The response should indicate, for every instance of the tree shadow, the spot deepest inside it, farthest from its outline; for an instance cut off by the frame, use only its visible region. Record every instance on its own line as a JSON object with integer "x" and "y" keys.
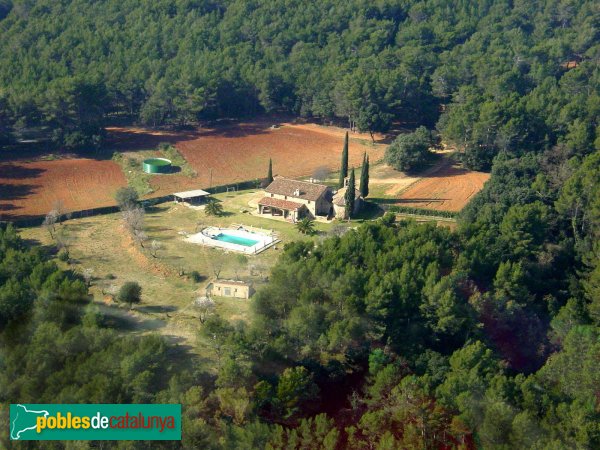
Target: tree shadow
{"x": 156, "y": 309}
{"x": 14, "y": 171}
{"x": 156, "y": 209}
{"x": 401, "y": 201}
{"x": 10, "y": 193}
{"x": 171, "y": 170}
{"x": 237, "y": 129}
{"x": 11, "y": 189}
{"x": 79, "y": 226}
{"x": 446, "y": 171}
{"x": 157, "y": 228}
{"x": 121, "y": 139}
{"x": 369, "y": 211}
{"x": 383, "y": 201}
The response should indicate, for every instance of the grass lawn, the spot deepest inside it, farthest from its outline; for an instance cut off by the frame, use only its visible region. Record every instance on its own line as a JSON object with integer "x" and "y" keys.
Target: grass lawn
{"x": 131, "y": 164}
{"x": 102, "y": 244}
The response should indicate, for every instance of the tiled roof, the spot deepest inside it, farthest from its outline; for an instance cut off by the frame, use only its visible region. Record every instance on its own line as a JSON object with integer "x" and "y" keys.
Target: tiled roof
{"x": 339, "y": 198}
{"x": 232, "y": 282}
{"x": 307, "y": 191}
{"x": 281, "y": 204}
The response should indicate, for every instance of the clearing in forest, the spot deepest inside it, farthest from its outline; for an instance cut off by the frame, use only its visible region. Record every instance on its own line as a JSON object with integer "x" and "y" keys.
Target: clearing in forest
{"x": 448, "y": 189}
{"x": 445, "y": 186}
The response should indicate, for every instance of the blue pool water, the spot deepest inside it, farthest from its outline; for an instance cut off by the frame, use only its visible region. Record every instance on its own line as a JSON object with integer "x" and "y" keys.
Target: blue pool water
{"x": 235, "y": 240}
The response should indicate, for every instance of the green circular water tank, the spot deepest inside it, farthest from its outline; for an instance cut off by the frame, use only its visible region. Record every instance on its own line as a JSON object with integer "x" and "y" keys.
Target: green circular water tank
{"x": 157, "y": 165}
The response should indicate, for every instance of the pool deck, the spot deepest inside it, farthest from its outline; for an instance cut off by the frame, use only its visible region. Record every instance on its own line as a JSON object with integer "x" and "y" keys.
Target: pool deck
{"x": 205, "y": 237}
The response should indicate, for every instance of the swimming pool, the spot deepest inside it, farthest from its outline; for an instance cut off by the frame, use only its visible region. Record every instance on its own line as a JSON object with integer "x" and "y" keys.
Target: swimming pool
{"x": 235, "y": 239}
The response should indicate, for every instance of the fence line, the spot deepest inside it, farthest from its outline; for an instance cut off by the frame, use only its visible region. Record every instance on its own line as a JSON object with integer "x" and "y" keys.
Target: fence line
{"x": 34, "y": 221}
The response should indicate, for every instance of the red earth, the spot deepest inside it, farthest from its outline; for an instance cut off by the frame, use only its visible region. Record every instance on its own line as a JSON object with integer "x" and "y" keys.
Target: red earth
{"x": 241, "y": 152}
{"x": 448, "y": 189}
{"x": 32, "y": 188}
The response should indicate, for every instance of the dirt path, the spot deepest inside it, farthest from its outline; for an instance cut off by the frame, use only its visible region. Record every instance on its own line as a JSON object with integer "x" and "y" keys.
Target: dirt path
{"x": 398, "y": 181}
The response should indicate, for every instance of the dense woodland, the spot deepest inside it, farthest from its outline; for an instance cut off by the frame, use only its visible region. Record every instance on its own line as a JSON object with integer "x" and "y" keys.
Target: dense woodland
{"x": 498, "y": 75}
{"x": 393, "y": 335}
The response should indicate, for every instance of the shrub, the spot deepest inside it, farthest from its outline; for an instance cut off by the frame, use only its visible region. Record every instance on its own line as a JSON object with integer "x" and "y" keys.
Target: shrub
{"x": 195, "y": 276}
{"x": 306, "y": 226}
{"x": 126, "y": 197}
{"x": 213, "y": 208}
{"x": 63, "y": 255}
{"x": 130, "y": 292}
{"x": 422, "y": 211}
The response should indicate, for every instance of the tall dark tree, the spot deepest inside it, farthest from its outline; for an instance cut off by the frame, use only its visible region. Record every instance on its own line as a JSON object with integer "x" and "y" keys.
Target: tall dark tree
{"x": 344, "y": 163}
{"x": 364, "y": 177}
{"x": 410, "y": 152}
{"x": 4, "y": 118}
{"x": 74, "y": 109}
{"x": 349, "y": 196}
{"x": 270, "y": 172}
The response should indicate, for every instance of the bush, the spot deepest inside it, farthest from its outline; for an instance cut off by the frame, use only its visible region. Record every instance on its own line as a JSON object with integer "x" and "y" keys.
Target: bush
{"x": 213, "y": 208}
{"x": 63, "y": 255}
{"x": 126, "y": 197}
{"x": 130, "y": 292}
{"x": 195, "y": 276}
{"x": 306, "y": 226}
{"x": 422, "y": 211}
{"x": 388, "y": 218}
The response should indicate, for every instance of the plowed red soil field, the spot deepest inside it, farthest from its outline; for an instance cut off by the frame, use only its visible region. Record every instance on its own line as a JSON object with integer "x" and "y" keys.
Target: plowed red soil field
{"x": 448, "y": 189}
{"x": 242, "y": 151}
{"x": 32, "y": 188}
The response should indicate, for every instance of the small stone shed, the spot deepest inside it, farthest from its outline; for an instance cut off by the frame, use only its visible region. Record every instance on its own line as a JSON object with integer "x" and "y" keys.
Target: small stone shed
{"x": 230, "y": 288}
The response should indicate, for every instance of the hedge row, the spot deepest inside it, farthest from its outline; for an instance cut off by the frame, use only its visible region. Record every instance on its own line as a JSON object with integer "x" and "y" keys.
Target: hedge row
{"x": 422, "y": 211}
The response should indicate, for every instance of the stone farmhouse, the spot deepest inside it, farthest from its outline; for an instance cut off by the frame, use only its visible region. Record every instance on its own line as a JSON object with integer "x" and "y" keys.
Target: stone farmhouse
{"x": 293, "y": 200}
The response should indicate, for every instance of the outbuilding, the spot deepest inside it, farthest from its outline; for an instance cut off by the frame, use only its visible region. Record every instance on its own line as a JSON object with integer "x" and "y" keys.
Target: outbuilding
{"x": 339, "y": 203}
{"x": 230, "y": 288}
{"x": 196, "y": 197}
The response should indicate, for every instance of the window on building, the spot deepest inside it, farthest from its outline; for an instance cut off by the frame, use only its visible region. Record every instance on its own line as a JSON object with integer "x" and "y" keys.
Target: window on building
{"x": 227, "y": 292}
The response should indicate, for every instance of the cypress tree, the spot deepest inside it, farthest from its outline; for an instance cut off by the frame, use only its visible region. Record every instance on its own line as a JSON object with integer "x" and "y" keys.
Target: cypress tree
{"x": 349, "y": 196}
{"x": 364, "y": 177}
{"x": 344, "y": 165}
{"x": 270, "y": 173}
